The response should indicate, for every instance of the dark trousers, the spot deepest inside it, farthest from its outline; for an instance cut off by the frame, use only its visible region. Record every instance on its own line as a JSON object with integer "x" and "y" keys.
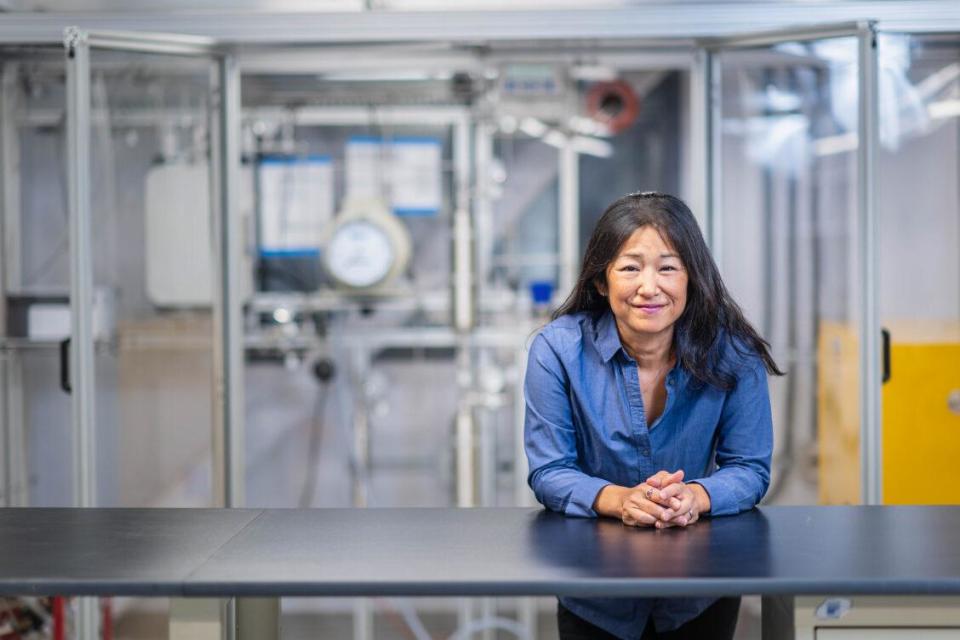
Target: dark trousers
{"x": 717, "y": 622}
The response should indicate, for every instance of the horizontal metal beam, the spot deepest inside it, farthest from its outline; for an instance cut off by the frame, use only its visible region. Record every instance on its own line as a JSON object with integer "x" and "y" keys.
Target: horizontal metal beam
{"x": 360, "y": 116}
{"x": 166, "y": 43}
{"x": 654, "y": 20}
{"x": 790, "y": 34}
{"x": 346, "y": 59}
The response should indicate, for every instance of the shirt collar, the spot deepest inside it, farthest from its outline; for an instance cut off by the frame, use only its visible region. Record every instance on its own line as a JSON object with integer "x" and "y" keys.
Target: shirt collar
{"x": 607, "y": 338}
{"x": 608, "y": 344}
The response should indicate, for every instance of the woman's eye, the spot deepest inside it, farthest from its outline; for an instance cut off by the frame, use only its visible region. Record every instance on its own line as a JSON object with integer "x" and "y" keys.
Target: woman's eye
{"x": 629, "y": 267}
{"x": 668, "y": 267}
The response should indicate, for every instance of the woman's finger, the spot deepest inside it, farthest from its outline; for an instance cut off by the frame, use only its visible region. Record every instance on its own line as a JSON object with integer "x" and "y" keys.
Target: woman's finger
{"x": 673, "y": 490}
{"x": 635, "y": 516}
{"x": 656, "y": 479}
{"x": 652, "y": 494}
{"x": 680, "y": 504}
{"x": 663, "y": 479}
{"x": 639, "y": 501}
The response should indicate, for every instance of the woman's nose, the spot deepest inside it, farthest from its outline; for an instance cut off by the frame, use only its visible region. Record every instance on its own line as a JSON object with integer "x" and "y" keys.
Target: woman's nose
{"x": 648, "y": 283}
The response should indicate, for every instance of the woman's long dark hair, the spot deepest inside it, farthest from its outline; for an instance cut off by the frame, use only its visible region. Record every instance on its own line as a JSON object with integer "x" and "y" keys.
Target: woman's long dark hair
{"x": 710, "y": 316}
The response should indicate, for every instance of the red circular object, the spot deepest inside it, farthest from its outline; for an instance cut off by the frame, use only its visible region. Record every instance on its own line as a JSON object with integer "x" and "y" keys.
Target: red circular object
{"x": 613, "y": 104}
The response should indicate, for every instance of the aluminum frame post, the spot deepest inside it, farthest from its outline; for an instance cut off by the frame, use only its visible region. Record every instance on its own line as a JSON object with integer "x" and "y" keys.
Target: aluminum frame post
{"x": 82, "y": 364}
{"x": 871, "y": 480}
{"x": 230, "y": 389}
{"x": 713, "y": 94}
{"x": 696, "y": 167}
{"x": 13, "y": 472}
{"x": 81, "y": 262}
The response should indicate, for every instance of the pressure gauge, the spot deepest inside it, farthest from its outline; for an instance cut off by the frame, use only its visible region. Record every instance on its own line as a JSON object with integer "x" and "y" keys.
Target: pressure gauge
{"x": 366, "y": 246}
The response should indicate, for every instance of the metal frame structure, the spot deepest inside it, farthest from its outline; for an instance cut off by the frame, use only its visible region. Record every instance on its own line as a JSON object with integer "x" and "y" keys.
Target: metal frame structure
{"x": 867, "y": 235}
{"x": 662, "y": 22}
{"x": 228, "y": 368}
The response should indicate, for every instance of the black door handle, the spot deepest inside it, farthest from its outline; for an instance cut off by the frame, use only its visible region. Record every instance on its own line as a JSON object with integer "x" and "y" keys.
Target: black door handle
{"x": 65, "y": 366}
{"x": 885, "y": 336}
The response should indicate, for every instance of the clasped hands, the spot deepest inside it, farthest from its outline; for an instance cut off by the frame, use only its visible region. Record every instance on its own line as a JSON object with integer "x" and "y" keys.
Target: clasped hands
{"x": 663, "y": 501}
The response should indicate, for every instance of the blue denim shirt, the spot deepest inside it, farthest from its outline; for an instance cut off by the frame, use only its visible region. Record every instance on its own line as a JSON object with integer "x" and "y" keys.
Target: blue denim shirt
{"x": 585, "y": 428}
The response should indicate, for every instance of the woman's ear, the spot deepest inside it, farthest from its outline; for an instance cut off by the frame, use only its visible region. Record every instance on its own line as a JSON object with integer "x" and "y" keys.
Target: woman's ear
{"x": 601, "y": 287}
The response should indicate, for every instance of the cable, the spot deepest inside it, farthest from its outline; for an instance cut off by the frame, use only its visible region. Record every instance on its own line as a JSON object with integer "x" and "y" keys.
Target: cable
{"x": 494, "y": 622}
{"x": 414, "y": 625}
{"x": 323, "y": 371}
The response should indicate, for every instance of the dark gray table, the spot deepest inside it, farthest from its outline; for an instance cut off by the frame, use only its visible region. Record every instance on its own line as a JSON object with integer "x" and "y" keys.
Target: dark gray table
{"x": 474, "y": 552}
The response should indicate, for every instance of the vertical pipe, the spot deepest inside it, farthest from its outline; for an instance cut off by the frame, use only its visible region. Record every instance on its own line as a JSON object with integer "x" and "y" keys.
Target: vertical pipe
{"x": 463, "y": 322}
{"x": 768, "y": 223}
{"x": 466, "y": 470}
{"x": 107, "y": 623}
{"x": 483, "y": 204}
{"x": 523, "y": 496}
{"x": 362, "y": 619}
{"x": 697, "y": 165}
{"x": 870, "y": 374}
{"x": 10, "y": 163}
{"x": 219, "y": 410}
{"x": 81, "y": 273}
{"x": 17, "y": 453}
{"x": 81, "y": 289}
{"x": 714, "y": 196}
{"x": 9, "y": 266}
{"x": 6, "y": 459}
{"x": 13, "y": 485}
{"x": 569, "y": 222}
{"x": 231, "y": 322}
{"x": 463, "y": 284}
{"x": 59, "y": 618}
{"x": 361, "y": 429}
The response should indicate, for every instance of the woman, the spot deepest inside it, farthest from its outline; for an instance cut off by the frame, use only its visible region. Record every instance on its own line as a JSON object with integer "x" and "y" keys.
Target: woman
{"x": 647, "y": 401}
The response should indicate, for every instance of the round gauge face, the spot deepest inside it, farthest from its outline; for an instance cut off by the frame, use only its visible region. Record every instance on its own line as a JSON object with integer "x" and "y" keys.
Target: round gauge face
{"x": 360, "y": 254}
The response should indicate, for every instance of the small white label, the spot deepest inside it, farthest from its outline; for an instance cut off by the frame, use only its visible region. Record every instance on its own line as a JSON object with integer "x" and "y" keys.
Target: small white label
{"x": 833, "y": 608}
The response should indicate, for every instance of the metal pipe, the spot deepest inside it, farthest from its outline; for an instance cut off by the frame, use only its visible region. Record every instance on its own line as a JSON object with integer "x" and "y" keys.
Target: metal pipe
{"x": 353, "y": 116}
{"x": 9, "y": 263}
{"x": 778, "y": 36}
{"x": 10, "y": 163}
{"x": 81, "y": 276}
{"x": 463, "y": 284}
{"x": 483, "y": 204}
{"x": 523, "y": 496}
{"x": 168, "y": 43}
{"x": 569, "y": 222}
{"x": 231, "y": 259}
{"x": 868, "y": 136}
{"x": 657, "y": 22}
{"x": 712, "y": 81}
{"x": 82, "y": 362}
{"x": 696, "y": 166}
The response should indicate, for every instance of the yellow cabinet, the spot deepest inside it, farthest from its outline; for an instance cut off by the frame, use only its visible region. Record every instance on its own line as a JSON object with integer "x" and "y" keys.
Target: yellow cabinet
{"x": 921, "y": 415}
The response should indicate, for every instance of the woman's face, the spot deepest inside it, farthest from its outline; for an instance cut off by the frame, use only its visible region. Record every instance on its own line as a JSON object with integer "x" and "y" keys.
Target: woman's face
{"x": 646, "y": 286}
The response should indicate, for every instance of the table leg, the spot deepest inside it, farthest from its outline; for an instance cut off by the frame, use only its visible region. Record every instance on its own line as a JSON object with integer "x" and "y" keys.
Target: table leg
{"x": 196, "y": 619}
{"x": 258, "y": 619}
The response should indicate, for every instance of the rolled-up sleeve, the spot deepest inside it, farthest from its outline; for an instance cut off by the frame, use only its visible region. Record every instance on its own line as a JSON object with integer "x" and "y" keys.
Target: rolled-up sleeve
{"x": 550, "y": 437}
{"x": 744, "y": 445}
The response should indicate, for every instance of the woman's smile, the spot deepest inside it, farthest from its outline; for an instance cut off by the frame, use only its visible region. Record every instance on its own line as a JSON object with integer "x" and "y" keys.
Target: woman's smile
{"x": 649, "y": 309}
